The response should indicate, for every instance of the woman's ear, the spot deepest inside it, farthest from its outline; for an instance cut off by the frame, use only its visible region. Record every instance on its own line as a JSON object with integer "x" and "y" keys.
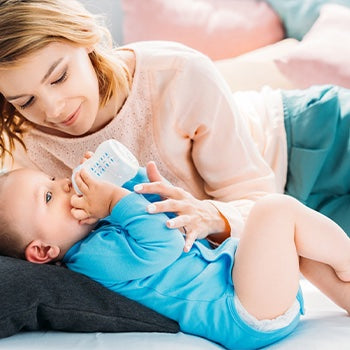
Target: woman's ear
{"x": 40, "y": 252}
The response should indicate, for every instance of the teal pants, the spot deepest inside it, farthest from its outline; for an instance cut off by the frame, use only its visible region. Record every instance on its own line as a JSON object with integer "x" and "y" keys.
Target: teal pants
{"x": 317, "y": 123}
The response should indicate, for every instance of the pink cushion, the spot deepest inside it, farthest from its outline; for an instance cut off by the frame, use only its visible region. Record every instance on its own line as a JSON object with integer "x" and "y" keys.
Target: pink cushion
{"x": 323, "y": 56}
{"x": 218, "y": 28}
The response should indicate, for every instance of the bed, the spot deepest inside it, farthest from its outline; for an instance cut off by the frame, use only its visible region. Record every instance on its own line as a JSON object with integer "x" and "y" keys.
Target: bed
{"x": 324, "y": 326}
{"x": 276, "y": 61}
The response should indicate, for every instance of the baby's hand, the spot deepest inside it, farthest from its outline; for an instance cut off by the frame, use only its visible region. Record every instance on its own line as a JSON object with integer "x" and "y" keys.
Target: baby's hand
{"x": 86, "y": 156}
{"x": 97, "y": 200}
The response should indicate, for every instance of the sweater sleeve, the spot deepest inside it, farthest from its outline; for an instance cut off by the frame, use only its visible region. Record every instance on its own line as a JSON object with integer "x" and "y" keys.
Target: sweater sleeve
{"x": 130, "y": 244}
{"x": 219, "y": 144}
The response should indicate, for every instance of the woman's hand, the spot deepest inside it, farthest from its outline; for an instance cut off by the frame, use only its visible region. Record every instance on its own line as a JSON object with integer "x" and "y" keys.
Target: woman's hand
{"x": 97, "y": 200}
{"x": 197, "y": 218}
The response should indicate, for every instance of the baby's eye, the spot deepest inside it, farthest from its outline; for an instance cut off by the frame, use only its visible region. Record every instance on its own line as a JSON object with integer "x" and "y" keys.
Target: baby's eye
{"x": 48, "y": 196}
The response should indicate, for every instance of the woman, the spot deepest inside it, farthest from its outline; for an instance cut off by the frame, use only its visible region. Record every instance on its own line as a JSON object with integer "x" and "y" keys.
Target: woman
{"x": 65, "y": 89}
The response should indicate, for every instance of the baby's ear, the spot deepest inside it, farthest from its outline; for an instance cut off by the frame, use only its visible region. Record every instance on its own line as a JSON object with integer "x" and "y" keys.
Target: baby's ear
{"x": 40, "y": 252}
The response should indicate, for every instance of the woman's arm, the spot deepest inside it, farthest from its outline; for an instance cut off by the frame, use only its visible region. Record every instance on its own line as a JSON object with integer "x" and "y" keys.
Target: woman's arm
{"x": 203, "y": 121}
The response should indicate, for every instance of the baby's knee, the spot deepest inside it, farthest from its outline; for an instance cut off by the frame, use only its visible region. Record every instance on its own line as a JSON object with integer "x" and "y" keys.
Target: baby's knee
{"x": 276, "y": 204}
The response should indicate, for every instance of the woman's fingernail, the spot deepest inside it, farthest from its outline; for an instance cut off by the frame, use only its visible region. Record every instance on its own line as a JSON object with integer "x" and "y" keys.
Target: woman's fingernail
{"x": 170, "y": 223}
{"x": 151, "y": 208}
{"x": 187, "y": 248}
{"x": 138, "y": 188}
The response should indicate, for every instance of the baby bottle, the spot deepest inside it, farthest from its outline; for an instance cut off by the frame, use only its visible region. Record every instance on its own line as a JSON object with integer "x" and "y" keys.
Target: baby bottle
{"x": 111, "y": 162}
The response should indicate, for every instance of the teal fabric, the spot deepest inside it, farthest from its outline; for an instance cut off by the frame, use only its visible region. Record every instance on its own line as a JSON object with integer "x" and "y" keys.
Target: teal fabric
{"x": 298, "y": 16}
{"x": 317, "y": 122}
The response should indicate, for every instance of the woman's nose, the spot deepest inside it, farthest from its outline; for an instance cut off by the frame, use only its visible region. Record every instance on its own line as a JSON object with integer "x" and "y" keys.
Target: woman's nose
{"x": 54, "y": 109}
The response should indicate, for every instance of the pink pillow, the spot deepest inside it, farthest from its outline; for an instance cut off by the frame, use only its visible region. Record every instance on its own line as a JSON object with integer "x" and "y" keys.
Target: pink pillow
{"x": 218, "y": 28}
{"x": 323, "y": 56}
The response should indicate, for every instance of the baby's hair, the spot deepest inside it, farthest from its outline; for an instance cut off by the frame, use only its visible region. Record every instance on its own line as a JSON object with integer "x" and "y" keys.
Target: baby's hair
{"x": 27, "y": 26}
{"x": 11, "y": 242}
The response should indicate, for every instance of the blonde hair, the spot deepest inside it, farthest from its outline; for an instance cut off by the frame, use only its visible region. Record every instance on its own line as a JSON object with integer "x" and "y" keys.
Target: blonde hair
{"x": 29, "y": 25}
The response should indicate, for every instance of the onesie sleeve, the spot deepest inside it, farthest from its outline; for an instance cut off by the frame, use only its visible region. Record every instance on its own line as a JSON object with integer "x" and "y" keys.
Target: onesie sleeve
{"x": 130, "y": 244}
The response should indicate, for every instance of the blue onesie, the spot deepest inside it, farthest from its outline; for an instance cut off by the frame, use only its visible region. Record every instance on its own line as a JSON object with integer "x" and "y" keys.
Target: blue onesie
{"x": 133, "y": 253}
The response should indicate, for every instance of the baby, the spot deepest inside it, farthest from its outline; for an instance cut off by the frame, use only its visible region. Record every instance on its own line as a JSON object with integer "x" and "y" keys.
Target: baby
{"x": 244, "y": 294}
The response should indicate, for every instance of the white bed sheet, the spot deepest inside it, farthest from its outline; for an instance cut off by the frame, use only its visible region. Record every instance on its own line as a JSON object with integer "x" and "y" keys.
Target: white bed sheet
{"x": 325, "y": 326}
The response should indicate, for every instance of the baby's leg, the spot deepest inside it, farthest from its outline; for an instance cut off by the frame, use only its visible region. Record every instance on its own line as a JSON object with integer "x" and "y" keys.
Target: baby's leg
{"x": 324, "y": 278}
{"x": 278, "y": 231}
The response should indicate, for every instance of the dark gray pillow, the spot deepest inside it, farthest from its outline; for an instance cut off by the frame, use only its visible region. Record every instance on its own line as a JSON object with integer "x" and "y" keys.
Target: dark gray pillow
{"x": 38, "y": 297}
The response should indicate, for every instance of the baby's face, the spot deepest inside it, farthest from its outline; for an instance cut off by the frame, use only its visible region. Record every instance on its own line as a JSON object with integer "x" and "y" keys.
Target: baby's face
{"x": 40, "y": 206}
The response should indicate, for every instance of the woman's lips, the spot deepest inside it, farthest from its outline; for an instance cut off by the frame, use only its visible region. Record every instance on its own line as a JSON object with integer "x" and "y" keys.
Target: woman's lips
{"x": 72, "y": 118}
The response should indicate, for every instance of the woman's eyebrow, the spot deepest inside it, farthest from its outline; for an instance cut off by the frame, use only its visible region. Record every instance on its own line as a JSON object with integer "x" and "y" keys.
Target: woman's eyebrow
{"x": 49, "y": 71}
{"x": 10, "y": 98}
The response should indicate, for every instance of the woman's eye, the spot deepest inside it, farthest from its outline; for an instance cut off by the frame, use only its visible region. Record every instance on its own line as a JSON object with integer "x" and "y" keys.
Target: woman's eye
{"x": 48, "y": 196}
{"x": 61, "y": 79}
{"x": 27, "y": 104}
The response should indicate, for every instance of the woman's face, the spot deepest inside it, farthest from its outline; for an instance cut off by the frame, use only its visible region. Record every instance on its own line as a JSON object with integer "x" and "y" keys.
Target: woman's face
{"x": 55, "y": 88}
